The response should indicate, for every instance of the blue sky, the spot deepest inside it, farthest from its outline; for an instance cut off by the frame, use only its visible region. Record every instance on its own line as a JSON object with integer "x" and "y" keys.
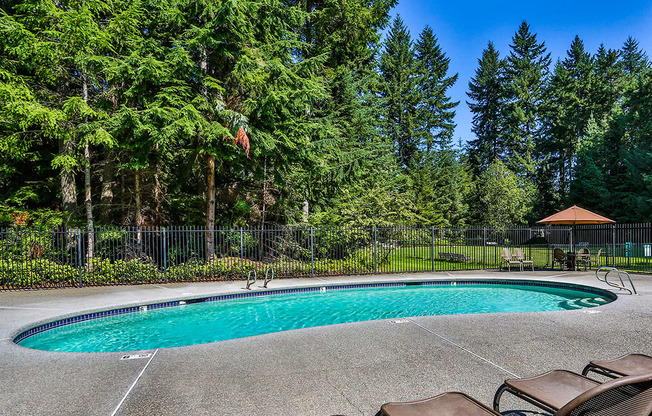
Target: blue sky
{"x": 464, "y": 27}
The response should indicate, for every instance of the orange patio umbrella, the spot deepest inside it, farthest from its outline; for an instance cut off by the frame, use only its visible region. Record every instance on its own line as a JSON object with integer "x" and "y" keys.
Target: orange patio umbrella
{"x": 574, "y": 216}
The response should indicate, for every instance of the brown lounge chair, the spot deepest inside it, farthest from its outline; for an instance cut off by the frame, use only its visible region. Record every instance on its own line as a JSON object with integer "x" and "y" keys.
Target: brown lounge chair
{"x": 625, "y": 396}
{"x": 627, "y": 365}
{"x": 446, "y": 404}
{"x": 564, "y": 393}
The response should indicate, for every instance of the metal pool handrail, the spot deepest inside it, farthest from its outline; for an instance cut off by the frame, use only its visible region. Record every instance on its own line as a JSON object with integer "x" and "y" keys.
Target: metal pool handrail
{"x": 249, "y": 282}
{"x": 608, "y": 270}
{"x": 266, "y": 276}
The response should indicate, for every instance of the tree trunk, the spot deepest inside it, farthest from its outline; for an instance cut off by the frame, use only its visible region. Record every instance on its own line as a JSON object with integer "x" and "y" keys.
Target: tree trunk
{"x": 139, "y": 214}
{"x": 210, "y": 208}
{"x": 264, "y": 196}
{"x": 88, "y": 200}
{"x": 158, "y": 190}
{"x": 68, "y": 188}
{"x": 306, "y": 210}
{"x": 108, "y": 178}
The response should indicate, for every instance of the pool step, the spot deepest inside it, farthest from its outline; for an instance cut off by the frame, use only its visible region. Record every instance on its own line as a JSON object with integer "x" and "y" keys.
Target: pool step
{"x": 581, "y": 303}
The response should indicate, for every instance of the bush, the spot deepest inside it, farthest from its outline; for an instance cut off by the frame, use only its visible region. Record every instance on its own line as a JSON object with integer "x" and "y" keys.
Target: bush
{"x": 226, "y": 268}
{"x": 342, "y": 243}
{"x": 102, "y": 272}
{"x": 38, "y": 272}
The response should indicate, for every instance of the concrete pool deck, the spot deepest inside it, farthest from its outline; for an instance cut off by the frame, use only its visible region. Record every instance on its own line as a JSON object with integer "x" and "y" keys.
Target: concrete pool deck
{"x": 345, "y": 369}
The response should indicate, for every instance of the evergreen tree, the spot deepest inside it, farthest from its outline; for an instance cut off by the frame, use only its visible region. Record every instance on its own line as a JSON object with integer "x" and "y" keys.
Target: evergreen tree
{"x": 568, "y": 109}
{"x": 526, "y": 70}
{"x": 633, "y": 60}
{"x": 437, "y": 179}
{"x": 397, "y": 72}
{"x": 607, "y": 85}
{"x": 435, "y": 111}
{"x": 487, "y": 95}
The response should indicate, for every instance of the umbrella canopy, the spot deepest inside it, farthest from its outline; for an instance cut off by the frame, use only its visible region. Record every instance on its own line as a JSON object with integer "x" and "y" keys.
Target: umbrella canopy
{"x": 574, "y": 216}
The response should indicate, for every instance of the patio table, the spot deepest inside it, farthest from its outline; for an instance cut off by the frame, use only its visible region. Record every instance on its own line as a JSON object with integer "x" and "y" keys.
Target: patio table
{"x": 575, "y": 258}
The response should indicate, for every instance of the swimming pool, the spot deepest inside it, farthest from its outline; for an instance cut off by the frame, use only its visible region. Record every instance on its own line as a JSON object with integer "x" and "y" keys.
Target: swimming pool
{"x": 218, "y": 318}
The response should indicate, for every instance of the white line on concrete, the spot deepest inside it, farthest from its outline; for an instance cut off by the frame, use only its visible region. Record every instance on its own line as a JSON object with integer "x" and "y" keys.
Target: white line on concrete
{"x": 559, "y": 275}
{"x": 30, "y": 309}
{"x": 166, "y": 288}
{"x": 466, "y": 350}
{"x": 134, "y": 384}
{"x": 449, "y": 274}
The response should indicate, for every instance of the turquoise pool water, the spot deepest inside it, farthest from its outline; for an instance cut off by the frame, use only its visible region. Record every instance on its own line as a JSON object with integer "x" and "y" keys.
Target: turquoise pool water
{"x": 224, "y": 319}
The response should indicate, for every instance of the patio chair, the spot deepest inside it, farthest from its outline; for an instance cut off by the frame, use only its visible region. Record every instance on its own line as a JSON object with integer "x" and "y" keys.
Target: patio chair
{"x": 594, "y": 262}
{"x": 627, "y": 365}
{"x": 520, "y": 256}
{"x": 559, "y": 256}
{"x": 446, "y": 404}
{"x": 583, "y": 258}
{"x": 509, "y": 260}
{"x": 564, "y": 393}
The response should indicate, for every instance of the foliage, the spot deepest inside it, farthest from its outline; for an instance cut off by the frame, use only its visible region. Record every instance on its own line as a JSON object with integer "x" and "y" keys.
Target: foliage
{"x": 267, "y": 112}
{"x": 37, "y": 273}
{"x": 487, "y": 94}
{"x": 502, "y": 197}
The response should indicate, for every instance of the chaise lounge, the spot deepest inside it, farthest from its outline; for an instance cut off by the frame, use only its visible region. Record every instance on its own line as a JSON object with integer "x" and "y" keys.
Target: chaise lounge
{"x": 627, "y": 365}
{"x": 559, "y": 392}
{"x": 564, "y": 393}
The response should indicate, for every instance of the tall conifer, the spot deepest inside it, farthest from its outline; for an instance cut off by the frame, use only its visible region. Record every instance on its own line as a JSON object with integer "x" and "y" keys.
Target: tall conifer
{"x": 397, "y": 72}
{"x": 526, "y": 69}
{"x": 435, "y": 110}
{"x": 487, "y": 95}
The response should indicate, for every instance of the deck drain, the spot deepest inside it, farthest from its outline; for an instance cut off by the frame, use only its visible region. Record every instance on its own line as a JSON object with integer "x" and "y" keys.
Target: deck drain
{"x": 400, "y": 321}
{"x": 136, "y": 356}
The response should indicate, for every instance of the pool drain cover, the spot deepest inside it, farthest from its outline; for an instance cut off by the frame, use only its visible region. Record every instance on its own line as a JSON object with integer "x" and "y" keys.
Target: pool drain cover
{"x": 136, "y": 356}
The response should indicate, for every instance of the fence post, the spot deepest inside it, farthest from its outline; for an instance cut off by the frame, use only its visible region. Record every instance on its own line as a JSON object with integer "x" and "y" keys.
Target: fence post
{"x": 312, "y": 254}
{"x": 484, "y": 248}
{"x": 79, "y": 255}
{"x": 432, "y": 249}
{"x": 613, "y": 255}
{"x": 375, "y": 250}
{"x": 241, "y": 254}
{"x": 165, "y": 257}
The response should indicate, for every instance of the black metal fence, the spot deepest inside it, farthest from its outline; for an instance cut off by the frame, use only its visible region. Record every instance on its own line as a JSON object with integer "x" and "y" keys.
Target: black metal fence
{"x": 31, "y": 258}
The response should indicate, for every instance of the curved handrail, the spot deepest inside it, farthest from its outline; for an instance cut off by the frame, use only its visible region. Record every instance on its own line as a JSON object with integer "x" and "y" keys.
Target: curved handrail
{"x": 608, "y": 270}
{"x": 266, "y": 274}
{"x": 249, "y": 282}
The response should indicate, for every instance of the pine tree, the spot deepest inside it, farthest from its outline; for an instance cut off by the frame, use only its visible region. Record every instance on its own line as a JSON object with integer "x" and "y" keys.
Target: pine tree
{"x": 487, "y": 95}
{"x": 435, "y": 110}
{"x": 633, "y": 60}
{"x": 607, "y": 85}
{"x": 526, "y": 70}
{"x": 437, "y": 180}
{"x": 569, "y": 107}
{"x": 397, "y": 72}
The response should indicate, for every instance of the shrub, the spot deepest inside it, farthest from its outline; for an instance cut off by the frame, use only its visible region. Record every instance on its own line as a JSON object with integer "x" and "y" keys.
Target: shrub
{"x": 103, "y": 271}
{"x": 37, "y": 272}
{"x": 226, "y": 268}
